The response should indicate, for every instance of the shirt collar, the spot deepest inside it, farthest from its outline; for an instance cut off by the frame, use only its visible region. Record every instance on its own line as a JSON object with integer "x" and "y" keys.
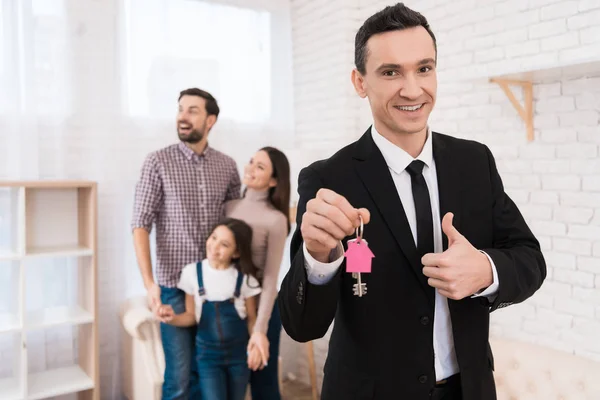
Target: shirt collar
{"x": 189, "y": 153}
{"x": 398, "y": 159}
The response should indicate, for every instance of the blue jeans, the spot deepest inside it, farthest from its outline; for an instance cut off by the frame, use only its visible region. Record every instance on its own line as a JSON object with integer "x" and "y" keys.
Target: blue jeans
{"x": 221, "y": 342}
{"x": 181, "y": 373}
{"x": 225, "y": 380}
{"x": 265, "y": 383}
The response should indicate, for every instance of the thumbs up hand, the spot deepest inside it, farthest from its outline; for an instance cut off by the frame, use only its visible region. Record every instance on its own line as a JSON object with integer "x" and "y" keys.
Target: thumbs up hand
{"x": 461, "y": 270}
{"x": 450, "y": 231}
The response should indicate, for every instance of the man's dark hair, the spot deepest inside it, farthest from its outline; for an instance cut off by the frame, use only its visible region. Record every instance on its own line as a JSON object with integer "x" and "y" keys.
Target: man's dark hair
{"x": 391, "y": 18}
{"x": 211, "y": 103}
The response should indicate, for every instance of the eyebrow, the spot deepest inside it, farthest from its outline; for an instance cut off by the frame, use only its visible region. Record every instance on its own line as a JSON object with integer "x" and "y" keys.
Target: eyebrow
{"x": 190, "y": 107}
{"x": 399, "y": 66}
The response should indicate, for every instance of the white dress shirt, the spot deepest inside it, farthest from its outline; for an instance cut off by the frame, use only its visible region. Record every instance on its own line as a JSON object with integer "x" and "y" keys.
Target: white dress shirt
{"x": 397, "y": 160}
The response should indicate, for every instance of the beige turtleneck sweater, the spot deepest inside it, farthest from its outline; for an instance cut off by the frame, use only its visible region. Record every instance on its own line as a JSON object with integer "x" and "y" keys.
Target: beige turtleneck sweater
{"x": 269, "y": 233}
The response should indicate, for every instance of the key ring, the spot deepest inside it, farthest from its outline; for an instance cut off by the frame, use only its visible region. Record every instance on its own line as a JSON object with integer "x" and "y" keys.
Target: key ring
{"x": 359, "y": 237}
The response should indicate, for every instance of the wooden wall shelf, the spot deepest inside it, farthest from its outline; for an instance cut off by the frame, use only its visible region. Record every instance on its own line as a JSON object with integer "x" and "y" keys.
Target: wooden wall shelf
{"x": 526, "y": 110}
{"x": 545, "y": 74}
{"x": 554, "y": 72}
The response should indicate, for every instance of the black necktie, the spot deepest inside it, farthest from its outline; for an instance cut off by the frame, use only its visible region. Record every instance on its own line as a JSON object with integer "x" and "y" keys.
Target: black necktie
{"x": 422, "y": 207}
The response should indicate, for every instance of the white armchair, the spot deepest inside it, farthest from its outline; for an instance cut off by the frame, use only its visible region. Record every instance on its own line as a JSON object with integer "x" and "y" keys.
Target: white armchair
{"x": 142, "y": 356}
{"x": 525, "y": 371}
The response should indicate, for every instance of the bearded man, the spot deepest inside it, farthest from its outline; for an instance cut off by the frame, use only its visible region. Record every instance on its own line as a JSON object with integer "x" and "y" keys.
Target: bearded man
{"x": 182, "y": 190}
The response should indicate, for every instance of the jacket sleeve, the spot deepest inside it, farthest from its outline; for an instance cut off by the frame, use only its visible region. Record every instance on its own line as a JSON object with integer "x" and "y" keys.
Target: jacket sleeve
{"x": 307, "y": 310}
{"x": 516, "y": 252}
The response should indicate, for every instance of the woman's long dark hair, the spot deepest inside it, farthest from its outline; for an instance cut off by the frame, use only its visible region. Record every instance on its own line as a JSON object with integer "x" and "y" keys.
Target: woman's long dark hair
{"x": 280, "y": 194}
{"x": 242, "y": 234}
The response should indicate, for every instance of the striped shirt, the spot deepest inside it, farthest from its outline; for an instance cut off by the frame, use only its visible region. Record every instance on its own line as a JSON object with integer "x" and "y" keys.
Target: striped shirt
{"x": 183, "y": 195}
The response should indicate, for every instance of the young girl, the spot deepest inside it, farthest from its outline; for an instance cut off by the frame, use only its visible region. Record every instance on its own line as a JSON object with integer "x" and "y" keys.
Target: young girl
{"x": 220, "y": 294}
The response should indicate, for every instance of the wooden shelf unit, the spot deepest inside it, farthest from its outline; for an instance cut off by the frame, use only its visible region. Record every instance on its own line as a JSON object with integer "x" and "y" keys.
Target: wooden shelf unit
{"x": 42, "y": 221}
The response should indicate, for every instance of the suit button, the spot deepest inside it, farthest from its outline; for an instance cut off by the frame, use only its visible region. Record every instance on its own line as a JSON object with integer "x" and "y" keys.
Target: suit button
{"x": 423, "y": 378}
{"x": 424, "y": 320}
{"x": 300, "y": 293}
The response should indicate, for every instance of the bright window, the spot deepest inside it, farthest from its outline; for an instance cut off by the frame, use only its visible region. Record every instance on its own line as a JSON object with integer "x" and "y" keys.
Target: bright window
{"x": 176, "y": 44}
{"x": 34, "y": 58}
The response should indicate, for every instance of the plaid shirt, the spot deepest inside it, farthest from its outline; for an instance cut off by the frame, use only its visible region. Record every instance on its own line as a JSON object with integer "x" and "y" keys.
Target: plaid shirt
{"x": 183, "y": 193}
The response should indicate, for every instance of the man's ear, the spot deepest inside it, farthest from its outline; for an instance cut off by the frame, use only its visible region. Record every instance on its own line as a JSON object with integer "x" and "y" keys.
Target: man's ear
{"x": 210, "y": 121}
{"x": 358, "y": 81}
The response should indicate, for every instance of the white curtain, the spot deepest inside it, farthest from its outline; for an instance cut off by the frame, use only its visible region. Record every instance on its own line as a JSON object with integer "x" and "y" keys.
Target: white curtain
{"x": 35, "y": 95}
{"x": 88, "y": 88}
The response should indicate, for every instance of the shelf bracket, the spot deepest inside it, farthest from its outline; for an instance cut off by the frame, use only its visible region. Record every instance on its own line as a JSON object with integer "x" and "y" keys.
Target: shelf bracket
{"x": 526, "y": 110}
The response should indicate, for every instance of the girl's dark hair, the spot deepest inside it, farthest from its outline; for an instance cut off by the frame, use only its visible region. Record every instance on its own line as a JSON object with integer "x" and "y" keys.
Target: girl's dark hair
{"x": 280, "y": 194}
{"x": 242, "y": 234}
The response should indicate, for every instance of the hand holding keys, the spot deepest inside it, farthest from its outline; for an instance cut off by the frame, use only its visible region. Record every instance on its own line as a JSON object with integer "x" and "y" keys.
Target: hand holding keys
{"x": 328, "y": 219}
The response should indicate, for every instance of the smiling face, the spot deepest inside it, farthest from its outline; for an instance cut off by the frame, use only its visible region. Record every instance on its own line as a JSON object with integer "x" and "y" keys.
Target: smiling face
{"x": 258, "y": 173}
{"x": 221, "y": 247}
{"x": 400, "y": 80}
{"x": 193, "y": 121}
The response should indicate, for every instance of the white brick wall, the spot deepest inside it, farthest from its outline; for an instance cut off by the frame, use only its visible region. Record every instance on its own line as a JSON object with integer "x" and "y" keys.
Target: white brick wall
{"x": 554, "y": 180}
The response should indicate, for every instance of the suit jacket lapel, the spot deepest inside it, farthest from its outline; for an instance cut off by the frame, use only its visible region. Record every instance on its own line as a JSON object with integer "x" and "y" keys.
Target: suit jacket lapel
{"x": 376, "y": 176}
{"x": 448, "y": 175}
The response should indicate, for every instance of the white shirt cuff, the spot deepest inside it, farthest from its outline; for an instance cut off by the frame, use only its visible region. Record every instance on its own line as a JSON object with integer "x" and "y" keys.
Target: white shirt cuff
{"x": 492, "y": 290}
{"x": 321, "y": 273}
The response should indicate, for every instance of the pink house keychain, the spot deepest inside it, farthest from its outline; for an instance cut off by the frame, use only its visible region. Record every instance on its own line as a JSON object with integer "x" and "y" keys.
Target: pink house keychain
{"x": 358, "y": 260}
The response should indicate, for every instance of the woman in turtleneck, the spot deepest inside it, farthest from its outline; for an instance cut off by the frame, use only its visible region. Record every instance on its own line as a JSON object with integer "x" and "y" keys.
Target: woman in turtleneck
{"x": 265, "y": 207}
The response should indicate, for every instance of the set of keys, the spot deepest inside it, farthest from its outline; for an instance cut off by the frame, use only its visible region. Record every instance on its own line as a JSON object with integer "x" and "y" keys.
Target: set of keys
{"x": 358, "y": 260}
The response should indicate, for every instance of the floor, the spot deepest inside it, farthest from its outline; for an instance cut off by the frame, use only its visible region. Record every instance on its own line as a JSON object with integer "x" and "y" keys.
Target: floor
{"x": 293, "y": 390}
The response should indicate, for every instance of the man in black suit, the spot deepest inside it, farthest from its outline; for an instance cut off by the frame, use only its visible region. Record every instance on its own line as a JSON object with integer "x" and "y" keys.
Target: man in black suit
{"x": 450, "y": 246}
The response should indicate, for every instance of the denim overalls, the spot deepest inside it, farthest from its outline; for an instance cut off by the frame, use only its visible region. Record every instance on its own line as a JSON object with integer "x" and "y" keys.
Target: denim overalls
{"x": 221, "y": 342}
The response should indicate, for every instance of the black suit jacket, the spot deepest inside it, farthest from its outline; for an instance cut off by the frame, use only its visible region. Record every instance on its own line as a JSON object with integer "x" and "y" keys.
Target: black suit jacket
{"x": 381, "y": 346}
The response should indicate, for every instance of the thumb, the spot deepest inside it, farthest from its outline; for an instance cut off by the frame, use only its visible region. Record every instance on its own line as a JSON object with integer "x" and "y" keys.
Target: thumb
{"x": 365, "y": 214}
{"x": 263, "y": 355}
{"x": 152, "y": 303}
{"x": 156, "y": 303}
{"x": 451, "y": 232}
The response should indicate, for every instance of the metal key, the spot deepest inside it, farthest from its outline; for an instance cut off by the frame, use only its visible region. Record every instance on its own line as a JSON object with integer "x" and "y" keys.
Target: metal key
{"x": 359, "y": 288}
